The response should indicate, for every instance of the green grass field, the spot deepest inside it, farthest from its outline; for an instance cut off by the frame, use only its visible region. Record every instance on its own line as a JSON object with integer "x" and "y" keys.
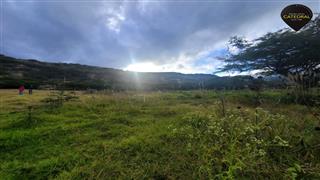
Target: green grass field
{"x": 157, "y": 135}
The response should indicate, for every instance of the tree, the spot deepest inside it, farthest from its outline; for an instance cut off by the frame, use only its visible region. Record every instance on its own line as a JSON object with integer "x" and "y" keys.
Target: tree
{"x": 284, "y": 52}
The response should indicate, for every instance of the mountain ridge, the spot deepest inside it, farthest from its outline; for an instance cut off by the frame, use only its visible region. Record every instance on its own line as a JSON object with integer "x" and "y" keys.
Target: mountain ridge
{"x": 15, "y": 72}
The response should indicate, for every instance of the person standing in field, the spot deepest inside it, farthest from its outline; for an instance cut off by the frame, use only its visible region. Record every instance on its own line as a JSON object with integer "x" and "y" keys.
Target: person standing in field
{"x": 21, "y": 89}
{"x": 30, "y": 90}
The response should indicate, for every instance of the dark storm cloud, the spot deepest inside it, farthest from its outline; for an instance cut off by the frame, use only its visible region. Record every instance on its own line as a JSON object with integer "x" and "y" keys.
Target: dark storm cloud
{"x": 59, "y": 31}
{"x": 117, "y": 34}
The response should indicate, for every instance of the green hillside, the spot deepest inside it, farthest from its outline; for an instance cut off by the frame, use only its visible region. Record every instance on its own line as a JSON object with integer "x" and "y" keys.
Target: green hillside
{"x": 16, "y": 72}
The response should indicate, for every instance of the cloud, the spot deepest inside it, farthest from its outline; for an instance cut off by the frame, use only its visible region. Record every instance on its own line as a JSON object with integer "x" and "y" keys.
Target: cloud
{"x": 115, "y": 18}
{"x": 172, "y": 36}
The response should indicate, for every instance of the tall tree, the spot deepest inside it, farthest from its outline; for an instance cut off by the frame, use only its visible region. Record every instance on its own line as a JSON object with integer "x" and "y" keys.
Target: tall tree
{"x": 284, "y": 52}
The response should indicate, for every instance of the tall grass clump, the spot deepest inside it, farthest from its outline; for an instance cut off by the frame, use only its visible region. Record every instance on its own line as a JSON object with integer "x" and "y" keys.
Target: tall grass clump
{"x": 231, "y": 146}
{"x": 57, "y": 98}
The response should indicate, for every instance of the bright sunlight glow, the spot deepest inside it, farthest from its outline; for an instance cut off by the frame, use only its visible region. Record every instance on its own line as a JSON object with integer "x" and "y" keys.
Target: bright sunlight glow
{"x": 145, "y": 67}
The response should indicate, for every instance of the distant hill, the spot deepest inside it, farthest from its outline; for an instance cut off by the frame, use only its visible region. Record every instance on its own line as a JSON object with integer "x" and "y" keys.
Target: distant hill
{"x": 15, "y": 72}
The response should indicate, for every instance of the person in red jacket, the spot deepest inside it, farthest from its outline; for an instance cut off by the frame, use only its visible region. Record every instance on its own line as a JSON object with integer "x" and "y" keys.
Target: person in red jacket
{"x": 21, "y": 89}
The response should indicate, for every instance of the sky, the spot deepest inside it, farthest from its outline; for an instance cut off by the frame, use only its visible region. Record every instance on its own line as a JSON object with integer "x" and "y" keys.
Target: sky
{"x": 184, "y": 36}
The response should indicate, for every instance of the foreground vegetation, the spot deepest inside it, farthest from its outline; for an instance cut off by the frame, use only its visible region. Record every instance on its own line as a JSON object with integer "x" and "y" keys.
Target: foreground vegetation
{"x": 157, "y": 135}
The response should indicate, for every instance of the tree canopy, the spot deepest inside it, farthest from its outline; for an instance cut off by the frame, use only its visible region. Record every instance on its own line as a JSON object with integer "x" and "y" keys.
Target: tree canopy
{"x": 283, "y": 52}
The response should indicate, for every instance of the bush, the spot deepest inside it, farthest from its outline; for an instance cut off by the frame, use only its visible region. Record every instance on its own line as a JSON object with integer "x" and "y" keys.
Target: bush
{"x": 235, "y": 146}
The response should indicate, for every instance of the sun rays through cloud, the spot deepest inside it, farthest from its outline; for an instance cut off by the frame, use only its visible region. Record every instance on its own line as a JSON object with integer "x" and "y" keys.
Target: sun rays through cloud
{"x": 162, "y": 36}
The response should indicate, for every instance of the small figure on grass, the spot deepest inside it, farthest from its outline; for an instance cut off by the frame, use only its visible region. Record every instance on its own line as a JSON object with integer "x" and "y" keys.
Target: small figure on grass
{"x": 30, "y": 90}
{"x": 21, "y": 89}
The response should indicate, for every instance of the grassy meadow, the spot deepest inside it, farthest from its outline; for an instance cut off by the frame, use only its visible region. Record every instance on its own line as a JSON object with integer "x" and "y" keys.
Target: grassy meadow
{"x": 157, "y": 135}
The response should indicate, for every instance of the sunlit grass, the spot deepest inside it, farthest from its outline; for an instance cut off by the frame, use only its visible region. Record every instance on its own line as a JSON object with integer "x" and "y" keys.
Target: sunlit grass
{"x": 158, "y": 135}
